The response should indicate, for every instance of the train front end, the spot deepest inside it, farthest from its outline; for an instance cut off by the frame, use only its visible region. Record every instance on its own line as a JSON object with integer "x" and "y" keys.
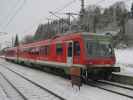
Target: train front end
{"x": 99, "y": 57}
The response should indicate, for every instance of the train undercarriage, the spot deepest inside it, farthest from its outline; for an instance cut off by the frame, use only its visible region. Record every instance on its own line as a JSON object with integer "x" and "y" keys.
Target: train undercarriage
{"x": 98, "y": 73}
{"x": 94, "y": 73}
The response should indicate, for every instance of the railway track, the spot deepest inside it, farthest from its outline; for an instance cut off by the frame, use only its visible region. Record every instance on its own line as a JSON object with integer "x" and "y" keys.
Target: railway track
{"x": 13, "y": 86}
{"x": 34, "y": 83}
{"x": 101, "y": 85}
{"x": 115, "y": 84}
{"x": 113, "y": 88}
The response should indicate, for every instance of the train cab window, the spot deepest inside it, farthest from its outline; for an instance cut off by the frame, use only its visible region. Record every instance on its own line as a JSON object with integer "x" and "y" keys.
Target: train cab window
{"x": 59, "y": 49}
{"x": 47, "y": 50}
{"x": 76, "y": 48}
{"x": 99, "y": 49}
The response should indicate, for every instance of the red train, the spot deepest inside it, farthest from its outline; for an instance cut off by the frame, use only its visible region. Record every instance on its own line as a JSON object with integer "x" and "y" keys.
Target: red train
{"x": 92, "y": 53}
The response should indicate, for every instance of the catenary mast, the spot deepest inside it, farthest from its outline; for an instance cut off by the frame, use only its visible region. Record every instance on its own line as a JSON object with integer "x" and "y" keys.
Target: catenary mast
{"x": 82, "y": 12}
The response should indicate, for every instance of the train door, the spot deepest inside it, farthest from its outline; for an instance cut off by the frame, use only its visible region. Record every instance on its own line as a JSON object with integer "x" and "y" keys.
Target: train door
{"x": 70, "y": 52}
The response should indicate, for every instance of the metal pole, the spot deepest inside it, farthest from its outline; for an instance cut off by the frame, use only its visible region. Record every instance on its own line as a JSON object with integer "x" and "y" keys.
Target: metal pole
{"x": 82, "y": 13}
{"x": 82, "y": 5}
{"x": 114, "y": 15}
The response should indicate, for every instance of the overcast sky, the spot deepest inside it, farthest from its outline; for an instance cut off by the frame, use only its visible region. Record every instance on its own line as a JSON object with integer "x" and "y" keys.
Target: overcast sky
{"x": 23, "y": 16}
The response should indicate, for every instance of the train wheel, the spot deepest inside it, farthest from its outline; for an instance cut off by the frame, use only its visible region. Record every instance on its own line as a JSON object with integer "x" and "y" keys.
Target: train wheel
{"x": 108, "y": 76}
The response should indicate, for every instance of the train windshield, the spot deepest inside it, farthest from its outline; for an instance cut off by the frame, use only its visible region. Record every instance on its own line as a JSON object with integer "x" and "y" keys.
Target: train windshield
{"x": 99, "y": 49}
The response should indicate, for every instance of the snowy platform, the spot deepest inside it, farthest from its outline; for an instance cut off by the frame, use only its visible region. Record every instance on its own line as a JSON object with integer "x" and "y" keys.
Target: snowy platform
{"x": 124, "y": 60}
{"x": 124, "y": 56}
{"x": 126, "y": 70}
{"x": 3, "y": 95}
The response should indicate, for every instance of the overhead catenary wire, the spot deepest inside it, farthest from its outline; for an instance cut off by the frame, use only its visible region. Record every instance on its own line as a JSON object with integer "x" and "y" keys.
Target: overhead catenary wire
{"x": 65, "y": 6}
{"x": 56, "y": 11}
{"x": 44, "y": 17}
{"x": 99, "y": 2}
{"x": 14, "y": 15}
{"x": 10, "y": 12}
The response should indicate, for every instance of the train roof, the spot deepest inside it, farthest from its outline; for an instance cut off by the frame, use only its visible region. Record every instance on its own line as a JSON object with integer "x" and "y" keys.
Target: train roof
{"x": 60, "y": 37}
{"x": 11, "y": 48}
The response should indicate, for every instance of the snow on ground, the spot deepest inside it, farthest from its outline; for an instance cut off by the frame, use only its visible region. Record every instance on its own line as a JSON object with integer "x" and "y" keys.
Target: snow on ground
{"x": 29, "y": 90}
{"x": 63, "y": 87}
{"x": 124, "y": 59}
{"x": 3, "y": 96}
{"x": 10, "y": 92}
{"x": 124, "y": 56}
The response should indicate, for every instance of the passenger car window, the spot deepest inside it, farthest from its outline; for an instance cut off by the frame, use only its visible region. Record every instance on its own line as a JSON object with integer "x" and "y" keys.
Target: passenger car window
{"x": 42, "y": 50}
{"x": 70, "y": 50}
{"x": 47, "y": 50}
{"x": 59, "y": 49}
{"x": 35, "y": 51}
{"x": 76, "y": 48}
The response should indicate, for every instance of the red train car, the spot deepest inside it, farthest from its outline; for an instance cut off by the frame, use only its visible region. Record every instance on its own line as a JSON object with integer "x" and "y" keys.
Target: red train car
{"x": 92, "y": 53}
